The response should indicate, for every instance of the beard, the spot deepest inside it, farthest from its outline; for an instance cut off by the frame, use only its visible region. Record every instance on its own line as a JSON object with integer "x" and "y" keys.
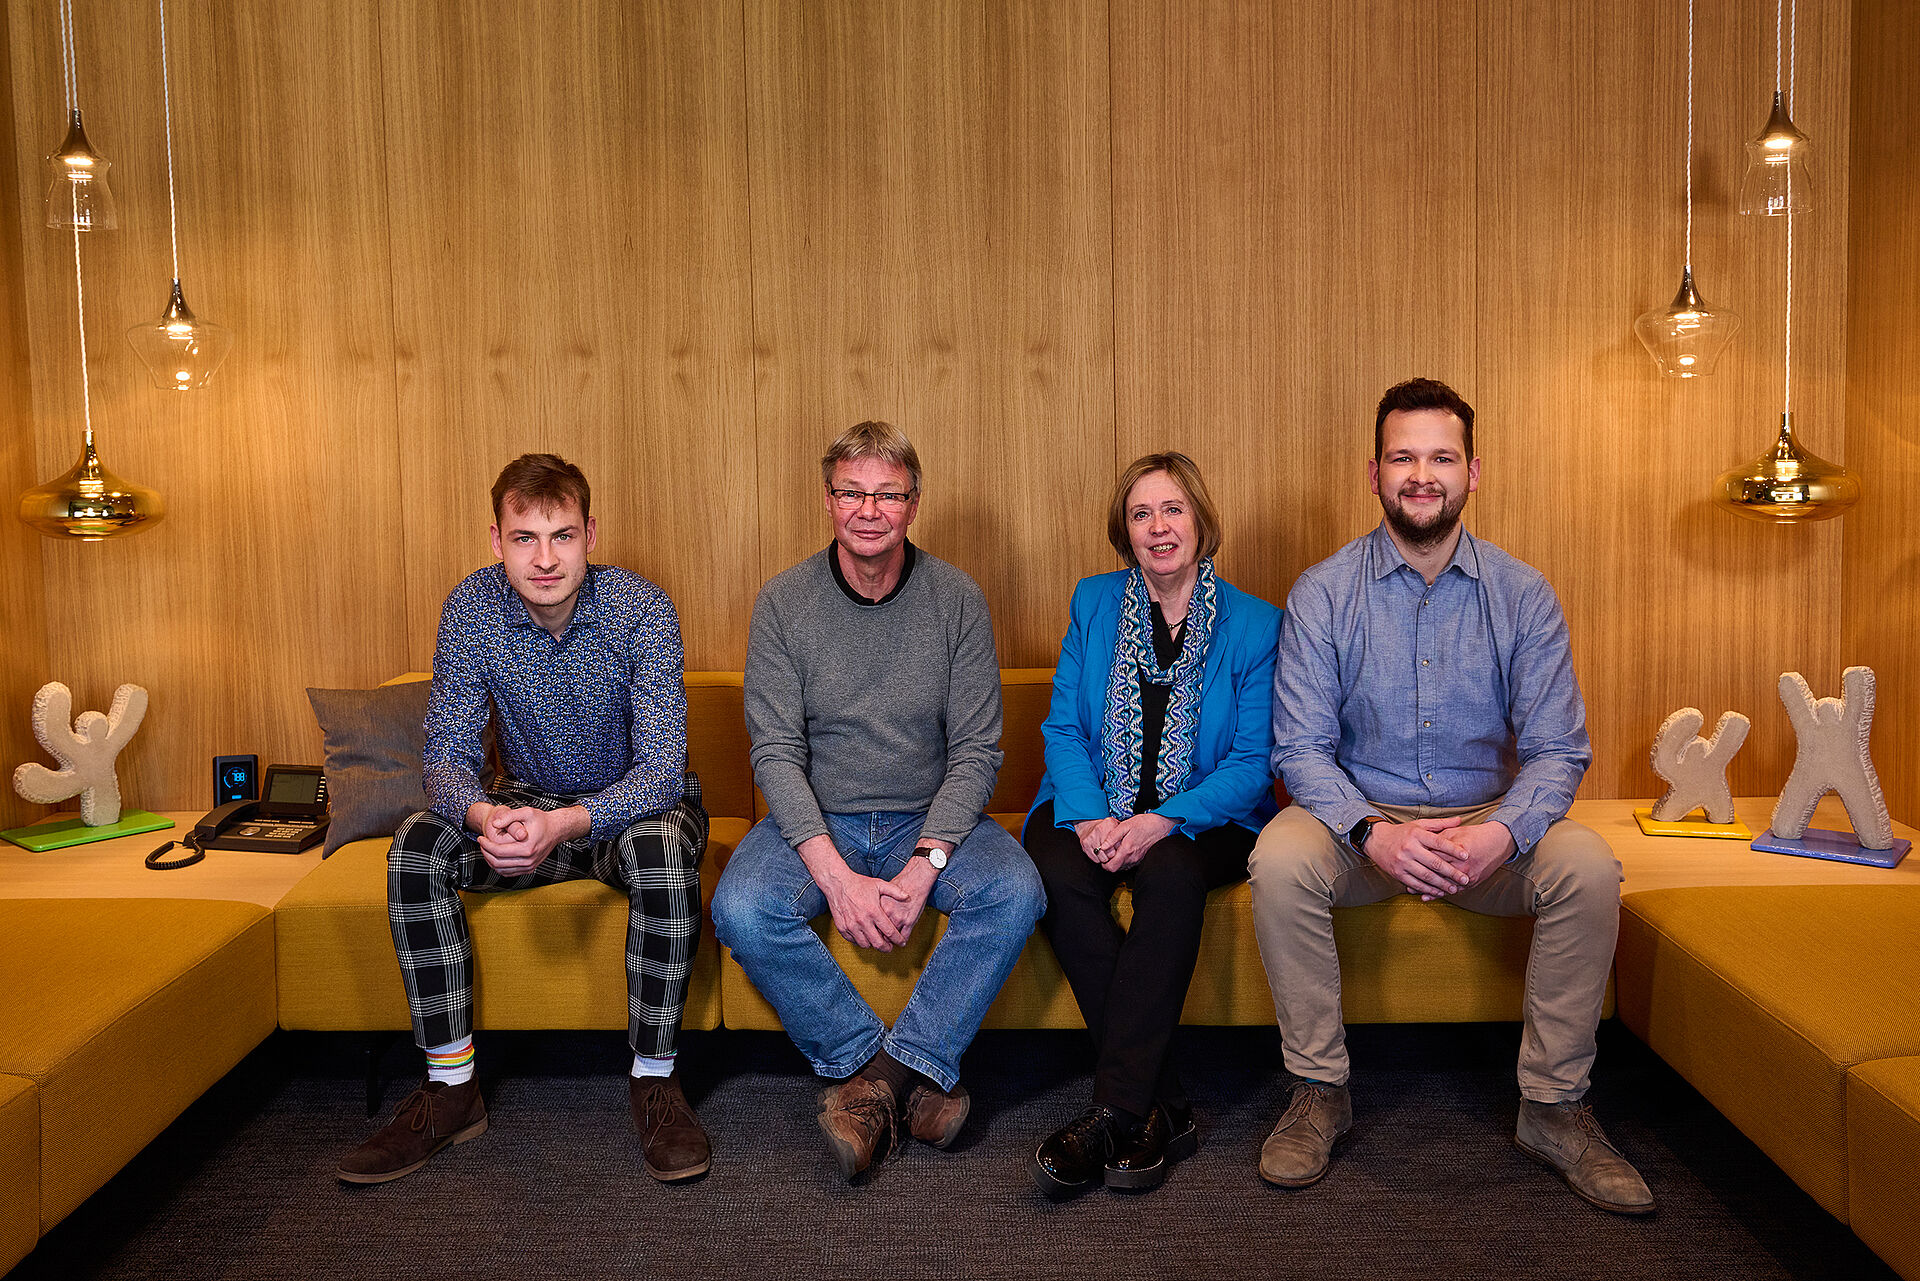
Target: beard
{"x": 1431, "y": 531}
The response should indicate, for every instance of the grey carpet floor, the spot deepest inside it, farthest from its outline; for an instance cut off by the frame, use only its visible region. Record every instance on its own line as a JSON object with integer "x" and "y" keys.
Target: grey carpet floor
{"x": 1431, "y": 1186}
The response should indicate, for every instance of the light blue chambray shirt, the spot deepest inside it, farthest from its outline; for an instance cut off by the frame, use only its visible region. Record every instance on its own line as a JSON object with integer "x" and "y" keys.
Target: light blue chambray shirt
{"x": 1391, "y": 692}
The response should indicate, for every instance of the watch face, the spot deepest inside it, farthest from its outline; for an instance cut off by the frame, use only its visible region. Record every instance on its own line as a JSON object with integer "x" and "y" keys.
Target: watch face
{"x": 937, "y": 857}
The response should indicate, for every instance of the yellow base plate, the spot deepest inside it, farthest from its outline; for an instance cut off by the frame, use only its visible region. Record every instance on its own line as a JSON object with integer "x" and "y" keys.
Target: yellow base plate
{"x": 1734, "y": 831}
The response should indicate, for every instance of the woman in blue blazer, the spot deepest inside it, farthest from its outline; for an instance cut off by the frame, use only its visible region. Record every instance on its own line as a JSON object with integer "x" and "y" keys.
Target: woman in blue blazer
{"x": 1157, "y": 751}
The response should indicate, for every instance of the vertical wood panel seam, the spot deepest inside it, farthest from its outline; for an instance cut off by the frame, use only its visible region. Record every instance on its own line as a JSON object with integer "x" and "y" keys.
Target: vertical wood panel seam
{"x": 393, "y": 345}
{"x": 757, "y": 566}
{"x": 1113, "y": 269}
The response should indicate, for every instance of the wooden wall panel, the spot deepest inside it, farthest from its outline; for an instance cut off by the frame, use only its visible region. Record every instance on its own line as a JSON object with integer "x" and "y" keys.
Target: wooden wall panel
{"x": 1882, "y": 533}
{"x": 570, "y": 275}
{"x": 931, "y": 247}
{"x": 278, "y": 563}
{"x": 1293, "y": 232}
{"x": 1597, "y": 471}
{"x": 23, "y": 606}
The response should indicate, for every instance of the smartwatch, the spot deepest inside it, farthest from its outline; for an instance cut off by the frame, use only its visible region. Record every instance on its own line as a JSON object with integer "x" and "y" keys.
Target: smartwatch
{"x": 934, "y": 855}
{"x": 1357, "y": 837}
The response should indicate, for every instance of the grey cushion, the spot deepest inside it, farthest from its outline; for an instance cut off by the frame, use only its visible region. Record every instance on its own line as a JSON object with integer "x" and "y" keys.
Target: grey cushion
{"x": 373, "y": 738}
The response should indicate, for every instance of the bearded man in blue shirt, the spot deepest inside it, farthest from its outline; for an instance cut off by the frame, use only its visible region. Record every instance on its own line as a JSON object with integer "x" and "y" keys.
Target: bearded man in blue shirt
{"x": 1430, "y": 730}
{"x": 578, "y": 669}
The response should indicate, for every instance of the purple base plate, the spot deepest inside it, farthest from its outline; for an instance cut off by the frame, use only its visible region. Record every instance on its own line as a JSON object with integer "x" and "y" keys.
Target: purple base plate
{"x": 1841, "y": 847}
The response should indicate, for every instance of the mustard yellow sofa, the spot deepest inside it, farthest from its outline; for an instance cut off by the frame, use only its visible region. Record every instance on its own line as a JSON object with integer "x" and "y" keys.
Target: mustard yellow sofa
{"x": 181, "y": 989}
{"x": 1795, "y": 1010}
{"x": 546, "y": 960}
{"x": 1401, "y": 961}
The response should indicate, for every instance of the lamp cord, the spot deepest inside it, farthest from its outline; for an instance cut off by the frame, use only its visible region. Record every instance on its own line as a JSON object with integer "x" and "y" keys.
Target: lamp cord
{"x": 1689, "y": 136}
{"x": 68, "y": 73}
{"x": 166, "y": 96}
{"x": 80, "y": 299}
{"x": 1786, "y": 391}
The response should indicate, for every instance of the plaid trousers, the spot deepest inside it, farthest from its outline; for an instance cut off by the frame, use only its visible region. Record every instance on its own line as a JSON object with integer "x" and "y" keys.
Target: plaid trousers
{"x": 656, "y": 861}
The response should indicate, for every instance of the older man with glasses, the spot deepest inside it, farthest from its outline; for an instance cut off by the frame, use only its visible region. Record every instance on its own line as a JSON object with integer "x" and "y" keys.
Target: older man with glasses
{"x": 873, "y": 703}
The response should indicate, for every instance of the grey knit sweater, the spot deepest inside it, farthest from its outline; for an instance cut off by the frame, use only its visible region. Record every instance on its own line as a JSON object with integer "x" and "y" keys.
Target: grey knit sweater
{"x": 860, "y": 707}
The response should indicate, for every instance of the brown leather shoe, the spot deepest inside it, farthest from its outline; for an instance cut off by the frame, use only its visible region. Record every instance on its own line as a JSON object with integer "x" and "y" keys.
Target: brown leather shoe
{"x": 1566, "y": 1137}
{"x": 936, "y": 1117}
{"x": 1298, "y": 1151}
{"x": 859, "y": 1120}
{"x": 427, "y": 1120}
{"x": 675, "y": 1148}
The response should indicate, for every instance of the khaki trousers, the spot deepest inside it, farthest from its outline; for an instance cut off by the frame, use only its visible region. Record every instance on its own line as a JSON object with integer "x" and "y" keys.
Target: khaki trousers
{"x": 1569, "y": 883}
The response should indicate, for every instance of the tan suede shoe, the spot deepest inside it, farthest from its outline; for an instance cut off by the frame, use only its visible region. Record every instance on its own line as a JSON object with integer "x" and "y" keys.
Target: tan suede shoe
{"x": 674, "y": 1145}
{"x": 860, "y": 1122}
{"x": 1298, "y": 1151}
{"x": 1566, "y": 1137}
{"x": 934, "y": 1117}
{"x": 432, "y": 1117}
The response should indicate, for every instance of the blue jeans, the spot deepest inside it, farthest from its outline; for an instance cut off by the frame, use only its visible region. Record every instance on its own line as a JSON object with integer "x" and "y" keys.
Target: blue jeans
{"x": 990, "y": 893}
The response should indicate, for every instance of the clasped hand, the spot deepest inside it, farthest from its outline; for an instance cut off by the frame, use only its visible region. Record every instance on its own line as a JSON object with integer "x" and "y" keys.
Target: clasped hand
{"x": 870, "y": 911}
{"x": 516, "y": 839}
{"x": 1435, "y": 857}
{"x": 1118, "y": 843}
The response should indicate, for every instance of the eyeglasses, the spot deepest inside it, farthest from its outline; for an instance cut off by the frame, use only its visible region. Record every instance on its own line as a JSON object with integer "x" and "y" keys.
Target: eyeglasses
{"x": 854, "y": 499}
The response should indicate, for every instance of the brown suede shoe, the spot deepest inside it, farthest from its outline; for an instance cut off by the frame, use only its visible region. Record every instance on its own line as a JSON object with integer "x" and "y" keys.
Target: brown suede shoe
{"x": 934, "y": 1117}
{"x": 1566, "y": 1137}
{"x": 859, "y": 1120}
{"x": 675, "y": 1147}
{"x": 429, "y": 1119}
{"x": 1298, "y": 1151}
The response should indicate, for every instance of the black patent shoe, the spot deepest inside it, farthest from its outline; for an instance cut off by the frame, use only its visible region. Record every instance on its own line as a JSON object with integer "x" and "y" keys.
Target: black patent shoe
{"x": 1070, "y": 1160}
{"x": 1146, "y": 1152}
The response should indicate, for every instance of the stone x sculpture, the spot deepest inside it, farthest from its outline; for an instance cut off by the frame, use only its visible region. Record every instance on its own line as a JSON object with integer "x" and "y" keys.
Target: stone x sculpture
{"x": 1832, "y": 757}
{"x": 85, "y": 751}
{"x": 1695, "y": 768}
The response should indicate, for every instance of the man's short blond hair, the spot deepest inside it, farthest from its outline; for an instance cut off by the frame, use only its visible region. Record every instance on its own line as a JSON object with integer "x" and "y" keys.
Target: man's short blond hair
{"x": 878, "y": 440}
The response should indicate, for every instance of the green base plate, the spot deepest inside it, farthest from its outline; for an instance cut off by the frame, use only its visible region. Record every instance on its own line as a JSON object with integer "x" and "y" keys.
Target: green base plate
{"x": 71, "y": 831}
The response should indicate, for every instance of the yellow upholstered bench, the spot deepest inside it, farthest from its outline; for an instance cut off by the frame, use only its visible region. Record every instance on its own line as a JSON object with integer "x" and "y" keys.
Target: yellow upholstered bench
{"x": 1401, "y": 961}
{"x": 1883, "y": 1154}
{"x": 19, "y": 1169}
{"x": 545, "y": 959}
{"x": 1766, "y": 998}
{"x": 183, "y": 989}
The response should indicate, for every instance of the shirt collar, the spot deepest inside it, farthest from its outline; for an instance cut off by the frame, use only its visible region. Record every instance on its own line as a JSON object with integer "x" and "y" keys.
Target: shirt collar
{"x": 1387, "y": 558}
{"x": 513, "y": 610}
{"x": 847, "y": 588}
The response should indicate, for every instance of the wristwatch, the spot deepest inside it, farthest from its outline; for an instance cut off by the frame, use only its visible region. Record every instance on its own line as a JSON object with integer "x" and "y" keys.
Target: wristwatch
{"x": 935, "y": 855}
{"x": 1357, "y": 837}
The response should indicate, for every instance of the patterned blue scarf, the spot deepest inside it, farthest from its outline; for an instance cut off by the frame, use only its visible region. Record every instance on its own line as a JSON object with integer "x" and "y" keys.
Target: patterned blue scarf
{"x": 1121, "y": 741}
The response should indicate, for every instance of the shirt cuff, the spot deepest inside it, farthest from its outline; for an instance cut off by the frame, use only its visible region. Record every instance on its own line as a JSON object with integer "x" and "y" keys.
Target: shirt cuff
{"x": 1527, "y": 826}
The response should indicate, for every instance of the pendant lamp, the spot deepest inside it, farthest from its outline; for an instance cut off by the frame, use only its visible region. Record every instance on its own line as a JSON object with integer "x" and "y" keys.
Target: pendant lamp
{"x": 1789, "y": 482}
{"x": 88, "y": 502}
{"x": 180, "y": 350}
{"x": 78, "y": 196}
{"x": 1686, "y": 338}
{"x": 1777, "y": 181}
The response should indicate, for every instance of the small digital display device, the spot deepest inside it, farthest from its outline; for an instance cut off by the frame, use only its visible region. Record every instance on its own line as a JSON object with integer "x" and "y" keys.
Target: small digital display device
{"x": 295, "y": 791}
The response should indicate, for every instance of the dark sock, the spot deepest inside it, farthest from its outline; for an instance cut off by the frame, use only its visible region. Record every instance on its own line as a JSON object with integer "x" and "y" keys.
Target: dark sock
{"x": 884, "y": 1067}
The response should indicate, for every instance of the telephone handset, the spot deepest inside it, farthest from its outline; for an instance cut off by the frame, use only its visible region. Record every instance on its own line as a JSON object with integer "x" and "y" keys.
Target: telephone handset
{"x": 291, "y": 817}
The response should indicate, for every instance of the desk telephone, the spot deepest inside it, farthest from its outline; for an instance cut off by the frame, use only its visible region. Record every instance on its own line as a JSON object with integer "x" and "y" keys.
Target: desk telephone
{"x": 292, "y": 818}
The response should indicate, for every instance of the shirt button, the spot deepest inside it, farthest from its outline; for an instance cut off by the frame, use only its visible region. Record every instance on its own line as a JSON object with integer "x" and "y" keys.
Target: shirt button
{"x": 1423, "y": 662}
{"x": 1426, "y": 725}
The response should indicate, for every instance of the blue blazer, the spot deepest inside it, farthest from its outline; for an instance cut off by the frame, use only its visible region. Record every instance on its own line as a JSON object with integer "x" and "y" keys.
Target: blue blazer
{"x": 1232, "y": 780}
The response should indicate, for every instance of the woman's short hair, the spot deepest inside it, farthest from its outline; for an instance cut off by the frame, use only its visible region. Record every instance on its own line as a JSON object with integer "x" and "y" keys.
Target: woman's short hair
{"x": 878, "y": 440}
{"x": 1184, "y": 473}
{"x": 543, "y": 482}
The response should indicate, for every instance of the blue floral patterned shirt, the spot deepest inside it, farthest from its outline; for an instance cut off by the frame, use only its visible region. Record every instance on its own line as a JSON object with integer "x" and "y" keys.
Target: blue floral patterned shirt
{"x": 599, "y": 714}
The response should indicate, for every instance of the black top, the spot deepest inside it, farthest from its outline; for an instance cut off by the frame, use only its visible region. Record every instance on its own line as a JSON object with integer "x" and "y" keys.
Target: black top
{"x": 840, "y": 577}
{"x": 1153, "y": 710}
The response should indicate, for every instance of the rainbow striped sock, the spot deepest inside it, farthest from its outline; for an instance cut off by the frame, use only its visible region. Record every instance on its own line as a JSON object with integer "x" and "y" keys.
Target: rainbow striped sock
{"x": 452, "y": 1063}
